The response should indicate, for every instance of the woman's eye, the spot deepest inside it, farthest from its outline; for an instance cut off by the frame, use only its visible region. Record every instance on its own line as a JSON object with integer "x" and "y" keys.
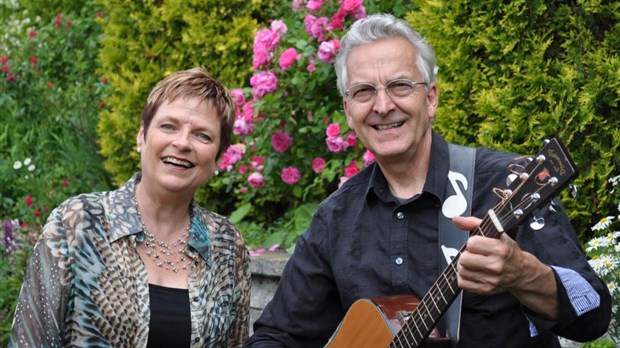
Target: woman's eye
{"x": 203, "y": 137}
{"x": 167, "y": 126}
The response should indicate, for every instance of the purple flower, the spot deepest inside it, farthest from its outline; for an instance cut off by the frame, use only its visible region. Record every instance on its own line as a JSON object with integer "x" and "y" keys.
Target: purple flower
{"x": 9, "y": 239}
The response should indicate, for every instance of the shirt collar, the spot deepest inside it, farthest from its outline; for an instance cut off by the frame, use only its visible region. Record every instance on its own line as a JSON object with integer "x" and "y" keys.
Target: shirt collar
{"x": 123, "y": 225}
{"x": 435, "y": 179}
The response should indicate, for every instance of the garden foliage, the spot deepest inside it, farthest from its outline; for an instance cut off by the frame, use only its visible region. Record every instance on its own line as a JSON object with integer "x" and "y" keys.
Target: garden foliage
{"x": 76, "y": 73}
{"x": 50, "y": 94}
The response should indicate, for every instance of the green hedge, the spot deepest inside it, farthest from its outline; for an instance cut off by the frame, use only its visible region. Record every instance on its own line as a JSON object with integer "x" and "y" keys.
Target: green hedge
{"x": 512, "y": 74}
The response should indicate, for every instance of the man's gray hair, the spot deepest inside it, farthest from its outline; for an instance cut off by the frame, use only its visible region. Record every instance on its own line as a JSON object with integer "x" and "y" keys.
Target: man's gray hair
{"x": 380, "y": 27}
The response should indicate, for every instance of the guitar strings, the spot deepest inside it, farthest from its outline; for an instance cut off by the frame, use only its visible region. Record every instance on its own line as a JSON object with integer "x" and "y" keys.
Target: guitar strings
{"x": 448, "y": 279}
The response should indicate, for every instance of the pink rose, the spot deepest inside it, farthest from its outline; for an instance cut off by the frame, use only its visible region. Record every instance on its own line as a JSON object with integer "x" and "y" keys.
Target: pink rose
{"x": 279, "y": 27}
{"x": 351, "y": 6}
{"x": 318, "y": 165}
{"x": 338, "y": 19}
{"x": 316, "y": 27}
{"x": 260, "y": 58}
{"x": 351, "y": 139}
{"x": 327, "y": 50}
{"x": 256, "y": 180}
{"x": 243, "y": 169}
{"x": 333, "y": 130}
{"x": 281, "y": 141}
{"x": 4, "y": 60}
{"x": 238, "y": 97}
{"x": 242, "y": 127}
{"x": 351, "y": 169}
{"x": 336, "y": 144}
{"x": 263, "y": 83}
{"x": 288, "y": 58}
{"x": 314, "y": 5}
{"x": 257, "y": 163}
{"x": 297, "y": 5}
{"x": 368, "y": 158}
{"x": 290, "y": 175}
{"x": 247, "y": 112}
{"x": 32, "y": 34}
{"x": 265, "y": 43}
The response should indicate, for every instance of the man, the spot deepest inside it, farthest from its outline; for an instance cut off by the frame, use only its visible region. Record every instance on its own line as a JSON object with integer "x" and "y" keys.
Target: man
{"x": 378, "y": 234}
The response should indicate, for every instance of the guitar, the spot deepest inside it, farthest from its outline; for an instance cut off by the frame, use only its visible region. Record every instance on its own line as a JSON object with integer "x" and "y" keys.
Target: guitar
{"x": 405, "y": 321}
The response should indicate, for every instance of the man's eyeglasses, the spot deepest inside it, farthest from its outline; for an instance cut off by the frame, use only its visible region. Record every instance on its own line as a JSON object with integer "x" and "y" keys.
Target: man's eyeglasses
{"x": 399, "y": 88}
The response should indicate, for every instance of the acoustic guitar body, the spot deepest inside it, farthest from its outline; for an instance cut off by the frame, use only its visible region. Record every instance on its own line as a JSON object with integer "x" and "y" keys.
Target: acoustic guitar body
{"x": 373, "y": 323}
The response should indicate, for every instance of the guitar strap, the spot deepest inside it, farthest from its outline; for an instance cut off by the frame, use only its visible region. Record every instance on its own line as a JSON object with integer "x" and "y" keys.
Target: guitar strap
{"x": 457, "y": 201}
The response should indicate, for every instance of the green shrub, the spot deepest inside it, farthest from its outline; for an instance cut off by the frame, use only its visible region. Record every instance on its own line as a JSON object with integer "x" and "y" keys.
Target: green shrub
{"x": 512, "y": 74}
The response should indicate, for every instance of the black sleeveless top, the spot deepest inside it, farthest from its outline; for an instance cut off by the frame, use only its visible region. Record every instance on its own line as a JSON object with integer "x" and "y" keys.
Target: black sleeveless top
{"x": 170, "y": 324}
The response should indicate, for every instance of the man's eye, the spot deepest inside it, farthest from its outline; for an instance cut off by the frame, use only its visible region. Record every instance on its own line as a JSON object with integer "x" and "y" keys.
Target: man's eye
{"x": 363, "y": 91}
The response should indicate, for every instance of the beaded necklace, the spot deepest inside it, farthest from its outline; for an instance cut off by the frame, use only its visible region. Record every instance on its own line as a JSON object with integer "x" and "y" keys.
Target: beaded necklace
{"x": 171, "y": 257}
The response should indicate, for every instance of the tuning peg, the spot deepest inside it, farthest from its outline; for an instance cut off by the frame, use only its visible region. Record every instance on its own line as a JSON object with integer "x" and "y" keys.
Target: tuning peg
{"x": 554, "y": 208}
{"x": 537, "y": 223}
{"x": 572, "y": 191}
{"x": 510, "y": 179}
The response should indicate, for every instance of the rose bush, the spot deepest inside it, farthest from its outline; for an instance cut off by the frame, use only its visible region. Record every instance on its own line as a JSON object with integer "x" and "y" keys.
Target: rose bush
{"x": 292, "y": 145}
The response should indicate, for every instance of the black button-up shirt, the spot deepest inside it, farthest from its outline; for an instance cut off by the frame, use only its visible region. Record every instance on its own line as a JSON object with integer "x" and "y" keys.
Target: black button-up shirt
{"x": 363, "y": 242}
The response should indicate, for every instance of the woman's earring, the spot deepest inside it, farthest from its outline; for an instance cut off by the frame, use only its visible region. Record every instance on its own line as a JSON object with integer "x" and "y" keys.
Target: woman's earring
{"x": 139, "y": 149}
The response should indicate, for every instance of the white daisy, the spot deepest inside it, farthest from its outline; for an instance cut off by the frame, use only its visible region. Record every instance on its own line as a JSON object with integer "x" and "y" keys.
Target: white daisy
{"x": 603, "y": 224}
{"x": 17, "y": 165}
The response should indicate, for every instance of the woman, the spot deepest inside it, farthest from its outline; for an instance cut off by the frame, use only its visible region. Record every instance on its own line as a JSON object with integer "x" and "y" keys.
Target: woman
{"x": 144, "y": 265}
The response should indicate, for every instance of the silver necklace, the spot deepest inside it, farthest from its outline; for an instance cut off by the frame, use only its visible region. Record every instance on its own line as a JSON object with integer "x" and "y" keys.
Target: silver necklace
{"x": 171, "y": 257}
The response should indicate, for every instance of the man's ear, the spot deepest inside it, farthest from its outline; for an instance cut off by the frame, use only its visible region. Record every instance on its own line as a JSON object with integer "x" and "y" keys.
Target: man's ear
{"x": 432, "y": 99}
{"x": 345, "y": 107}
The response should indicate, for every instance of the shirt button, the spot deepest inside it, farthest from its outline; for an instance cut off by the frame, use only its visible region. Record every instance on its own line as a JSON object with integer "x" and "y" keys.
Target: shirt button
{"x": 400, "y": 215}
{"x": 196, "y": 299}
{"x": 399, "y": 260}
{"x": 196, "y": 339}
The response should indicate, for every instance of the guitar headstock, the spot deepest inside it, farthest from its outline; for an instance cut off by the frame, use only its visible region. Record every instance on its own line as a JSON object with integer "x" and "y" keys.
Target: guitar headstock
{"x": 546, "y": 174}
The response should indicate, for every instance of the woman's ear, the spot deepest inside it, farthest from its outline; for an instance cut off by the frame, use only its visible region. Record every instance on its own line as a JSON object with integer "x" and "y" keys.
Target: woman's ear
{"x": 140, "y": 137}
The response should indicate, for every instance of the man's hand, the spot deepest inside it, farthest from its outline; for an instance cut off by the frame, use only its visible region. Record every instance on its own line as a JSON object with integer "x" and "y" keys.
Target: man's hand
{"x": 490, "y": 266}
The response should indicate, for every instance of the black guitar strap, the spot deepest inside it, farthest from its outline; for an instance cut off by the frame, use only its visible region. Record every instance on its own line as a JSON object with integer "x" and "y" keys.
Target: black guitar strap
{"x": 457, "y": 201}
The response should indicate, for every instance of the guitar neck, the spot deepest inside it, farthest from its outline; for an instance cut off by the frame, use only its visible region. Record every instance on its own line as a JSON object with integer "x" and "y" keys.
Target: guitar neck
{"x": 437, "y": 300}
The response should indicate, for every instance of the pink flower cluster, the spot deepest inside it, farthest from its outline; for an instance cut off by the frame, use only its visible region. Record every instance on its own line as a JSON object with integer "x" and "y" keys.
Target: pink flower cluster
{"x": 268, "y": 66}
{"x": 232, "y": 155}
{"x": 262, "y": 83}
{"x": 265, "y": 43}
{"x": 335, "y": 142}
